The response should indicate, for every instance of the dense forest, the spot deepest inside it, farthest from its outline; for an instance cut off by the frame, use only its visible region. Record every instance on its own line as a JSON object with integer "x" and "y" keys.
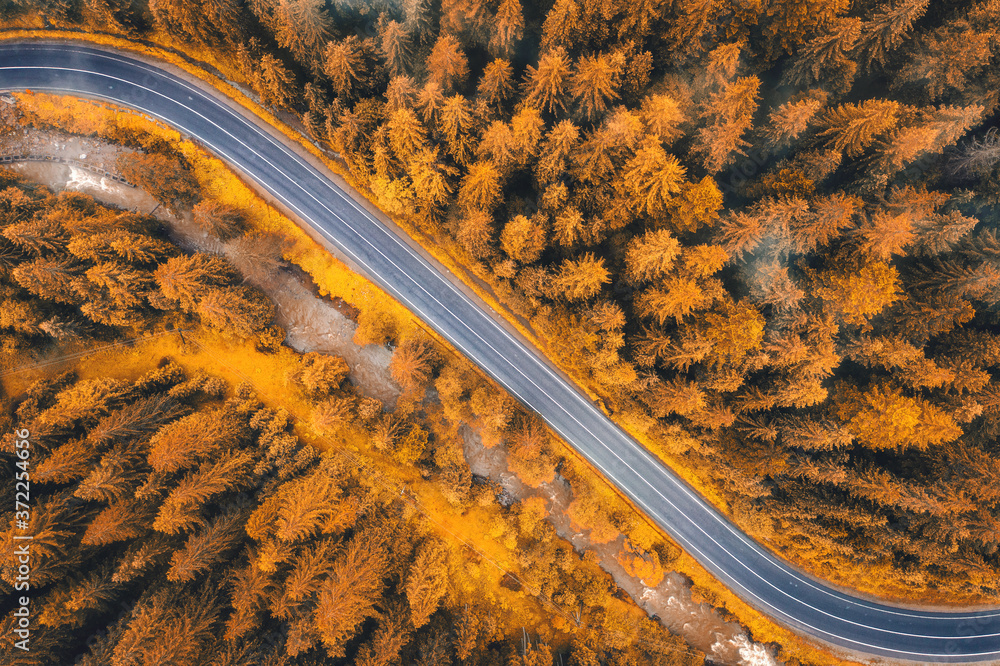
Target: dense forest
{"x": 764, "y": 232}
{"x": 177, "y": 519}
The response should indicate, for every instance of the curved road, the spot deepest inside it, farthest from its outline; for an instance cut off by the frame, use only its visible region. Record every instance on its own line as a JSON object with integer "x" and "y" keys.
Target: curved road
{"x": 762, "y": 580}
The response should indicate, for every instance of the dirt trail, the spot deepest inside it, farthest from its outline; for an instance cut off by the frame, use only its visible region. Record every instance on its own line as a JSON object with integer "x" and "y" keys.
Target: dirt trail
{"x": 313, "y": 323}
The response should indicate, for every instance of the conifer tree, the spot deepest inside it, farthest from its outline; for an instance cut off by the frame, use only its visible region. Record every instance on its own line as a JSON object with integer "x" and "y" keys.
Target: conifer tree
{"x": 523, "y": 239}
{"x": 425, "y": 584}
{"x": 854, "y": 127}
{"x": 580, "y": 278}
{"x": 548, "y": 82}
{"x": 594, "y": 83}
{"x": 496, "y": 85}
{"x": 653, "y": 177}
{"x": 662, "y": 116}
{"x": 343, "y": 63}
{"x": 396, "y": 48}
{"x": 887, "y": 28}
{"x": 480, "y": 188}
{"x": 207, "y": 547}
{"x": 347, "y": 597}
{"x": 509, "y": 28}
{"x": 218, "y": 219}
{"x": 827, "y": 57}
{"x": 447, "y": 64}
{"x": 651, "y": 255}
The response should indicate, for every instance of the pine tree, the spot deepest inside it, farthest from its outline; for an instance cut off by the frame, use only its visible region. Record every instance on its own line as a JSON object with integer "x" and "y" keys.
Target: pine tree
{"x": 978, "y": 156}
{"x": 811, "y": 435}
{"x": 559, "y": 144}
{"x": 179, "y": 444}
{"x": 456, "y": 125}
{"x": 887, "y": 28}
{"x": 526, "y": 132}
{"x": 696, "y": 205}
{"x": 426, "y": 581}
{"x": 16, "y": 205}
{"x": 301, "y": 26}
{"x": 406, "y": 134}
{"x": 481, "y": 187}
{"x": 37, "y": 236}
{"x": 693, "y": 18}
{"x": 509, "y": 28}
{"x": 569, "y": 229}
{"x": 523, "y": 239}
{"x": 306, "y": 506}
{"x": 447, "y": 64}
{"x": 790, "y": 120}
{"x": 830, "y": 217}
{"x": 662, "y": 116}
{"x": 208, "y": 546}
{"x": 71, "y": 605}
{"x": 857, "y": 289}
{"x": 947, "y": 59}
{"x": 430, "y": 99}
{"x": 218, "y": 219}
{"x": 186, "y": 279}
{"x": 309, "y": 567}
{"x": 595, "y": 82}
{"x": 273, "y": 82}
{"x": 67, "y": 462}
{"x": 735, "y": 330}
{"x": 430, "y": 176}
{"x": 885, "y": 235}
{"x": 165, "y": 628}
{"x": 675, "y": 297}
{"x": 651, "y": 255}
{"x": 114, "y": 477}
{"x": 343, "y": 63}
{"x": 581, "y": 278}
{"x": 547, "y": 83}
{"x": 347, "y": 597}
{"x": 853, "y": 127}
{"x": 496, "y": 85}
{"x": 392, "y": 634}
{"x": 248, "y": 588}
{"x": 792, "y": 22}
{"x": 562, "y": 25}
{"x": 884, "y": 418}
{"x": 951, "y": 276}
{"x": 49, "y": 278}
{"x": 182, "y": 507}
{"x": 239, "y": 310}
{"x": 121, "y": 521}
{"x": 653, "y": 177}
{"x": 412, "y": 363}
{"x": 939, "y": 129}
{"x": 396, "y": 47}
{"x": 827, "y": 58}
{"x": 165, "y": 178}
{"x": 678, "y": 396}
{"x": 401, "y": 93}
{"x": 731, "y": 111}
{"x": 319, "y": 374}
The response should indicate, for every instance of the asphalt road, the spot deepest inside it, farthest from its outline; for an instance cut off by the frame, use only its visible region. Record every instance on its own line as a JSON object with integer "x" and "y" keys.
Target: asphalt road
{"x": 762, "y": 580}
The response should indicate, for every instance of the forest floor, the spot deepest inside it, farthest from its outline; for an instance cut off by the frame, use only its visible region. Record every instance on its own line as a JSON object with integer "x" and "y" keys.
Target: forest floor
{"x": 316, "y": 323}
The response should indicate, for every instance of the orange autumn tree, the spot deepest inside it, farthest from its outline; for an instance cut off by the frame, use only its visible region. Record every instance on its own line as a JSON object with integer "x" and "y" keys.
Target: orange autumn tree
{"x": 884, "y": 418}
{"x": 855, "y": 288}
